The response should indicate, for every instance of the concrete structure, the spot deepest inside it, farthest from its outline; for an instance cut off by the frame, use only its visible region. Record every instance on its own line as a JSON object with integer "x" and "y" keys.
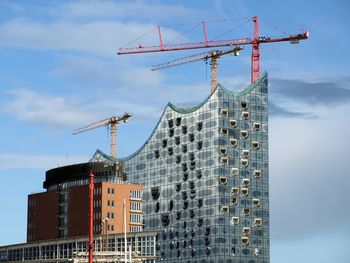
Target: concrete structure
{"x": 205, "y": 171}
{"x": 63, "y": 210}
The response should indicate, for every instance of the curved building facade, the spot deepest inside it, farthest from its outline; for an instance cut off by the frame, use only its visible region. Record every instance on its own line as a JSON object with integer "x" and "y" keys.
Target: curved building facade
{"x": 205, "y": 172}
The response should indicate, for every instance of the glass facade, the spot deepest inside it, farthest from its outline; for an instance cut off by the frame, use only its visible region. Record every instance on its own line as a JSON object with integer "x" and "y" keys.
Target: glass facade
{"x": 205, "y": 171}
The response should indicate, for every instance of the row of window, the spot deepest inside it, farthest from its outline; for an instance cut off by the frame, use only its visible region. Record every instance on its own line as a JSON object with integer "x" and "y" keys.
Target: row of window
{"x": 136, "y": 218}
{"x": 110, "y": 203}
{"x": 135, "y": 194}
{"x": 110, "y": 191}
{"x": 97, "y": 191}
{"x": 98, "y": 203}
{"x": 136, "y": 206}
{"x": 135, "y": 228}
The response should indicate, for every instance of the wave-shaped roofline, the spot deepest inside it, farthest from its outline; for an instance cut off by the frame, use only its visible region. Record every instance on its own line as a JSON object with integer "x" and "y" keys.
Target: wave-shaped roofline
{"x": 183, "y": 111}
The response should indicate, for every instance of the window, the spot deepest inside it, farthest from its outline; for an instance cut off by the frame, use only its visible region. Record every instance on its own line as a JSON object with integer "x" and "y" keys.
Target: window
{"x": 178, "y": 121}
{"x": 255, "y": 145}
{"x": 224, "y": 112}
{"x": 224, "y": 160}
{"x": 256, "y": 126}
{"x": 224, "y": 209}
{"x": 135, "y": 218}
{"x": 135, "y": 228}
{"x": 170, "y": 123}
{"x": 191, "y": 156}
{"x": 136, "y": 206}
{"x": 245, "y": 241}
{"x": 135, "y": 194}
{"x": 234, "y": 191}
{"x": 245, "y": 153}
{"x": 170, "y": 151}
{"x": 156, "y": 154}
{"x": 223, "y": 150}
{"x": 257, "y": 222}
{"x": 245, "y": 115}
{"x": 235, "y": 220}
{"x": 233, "y": 123}
{"x": 223, "y": 180}
{"x": 244, "y": 105}
{"x": 155, "y": 191}
{"x": 224, "y": 131}
{"x": 165, "y": 219}
{"x": 234, "y": 200}
{"x": 234, "y": 171}
{"x": 256, "y": 203}
{"x": 244, "y": 191}
{"x": 193, "y": 194}
{"x": 244, "y": 134}
{"x": 199, "y": 126}
{"x": 245, "y": 182}
{"x": 246, "y": 211}
{"x": 257, "y": 174}
{"x": 246, "y": 231}
{"x": 233, "y": 142}
{"x": 244, "y": 162}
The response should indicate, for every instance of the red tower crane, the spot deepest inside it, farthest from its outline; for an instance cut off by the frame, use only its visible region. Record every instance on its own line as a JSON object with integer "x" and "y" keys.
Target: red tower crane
{"x": 255, "y": 42}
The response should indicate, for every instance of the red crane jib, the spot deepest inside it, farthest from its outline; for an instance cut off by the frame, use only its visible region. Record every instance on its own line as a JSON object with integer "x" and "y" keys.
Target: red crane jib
{"x": 255, "y": 42}
{"x": 209, "y": 44}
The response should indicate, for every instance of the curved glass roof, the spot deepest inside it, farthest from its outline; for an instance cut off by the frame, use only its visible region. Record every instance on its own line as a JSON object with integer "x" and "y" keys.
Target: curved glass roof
{"x": 185, "y": 111}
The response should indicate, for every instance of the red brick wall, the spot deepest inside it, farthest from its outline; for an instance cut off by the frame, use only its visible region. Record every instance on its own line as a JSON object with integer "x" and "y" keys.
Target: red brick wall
{"x": 43, "y": 215}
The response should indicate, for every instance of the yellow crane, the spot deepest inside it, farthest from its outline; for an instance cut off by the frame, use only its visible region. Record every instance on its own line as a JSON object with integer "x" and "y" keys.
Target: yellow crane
{"x": 113, "y": 122}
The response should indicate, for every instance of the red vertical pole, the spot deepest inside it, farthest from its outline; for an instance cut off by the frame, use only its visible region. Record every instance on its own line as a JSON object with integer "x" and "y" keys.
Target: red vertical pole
{"x": 255, "y": 52}
{"x": 91, "y": 237}
{"x": 160, "y": 39}
{"x": 205, "y": 34}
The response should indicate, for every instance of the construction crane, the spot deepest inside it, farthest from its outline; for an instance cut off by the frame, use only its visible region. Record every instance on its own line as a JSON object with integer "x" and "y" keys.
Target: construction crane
{"x": 255, "y": 41}
{"x": 212, "y": 55}
{"x": 113, "y": 122}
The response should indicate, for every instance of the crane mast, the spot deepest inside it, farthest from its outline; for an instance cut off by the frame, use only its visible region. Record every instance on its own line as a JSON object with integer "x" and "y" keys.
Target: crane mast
{"x": 255, "y": 41}
{"x": 113, "y": 122}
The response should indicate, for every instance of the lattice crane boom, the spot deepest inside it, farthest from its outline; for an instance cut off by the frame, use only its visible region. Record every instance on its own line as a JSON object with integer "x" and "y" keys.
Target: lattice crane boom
{"x": 113, "y": 122}
{"x": 213, "y": 55}
{"x": 255, "y": 41}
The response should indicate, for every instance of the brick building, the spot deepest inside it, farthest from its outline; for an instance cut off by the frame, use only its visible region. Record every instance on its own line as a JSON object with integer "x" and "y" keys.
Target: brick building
{"x": 63, "y": 210}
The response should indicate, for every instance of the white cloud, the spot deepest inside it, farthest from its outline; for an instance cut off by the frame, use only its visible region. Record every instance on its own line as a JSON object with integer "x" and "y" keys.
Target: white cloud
{"x": 124, "y": 9}
{"x": 99, "y": 37}
{"x": 30, "y": 106}
{"x": 30, "y": 161}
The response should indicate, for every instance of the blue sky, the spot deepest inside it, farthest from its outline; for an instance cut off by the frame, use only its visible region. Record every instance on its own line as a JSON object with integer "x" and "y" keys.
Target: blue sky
{"x": 59, "y": 71}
